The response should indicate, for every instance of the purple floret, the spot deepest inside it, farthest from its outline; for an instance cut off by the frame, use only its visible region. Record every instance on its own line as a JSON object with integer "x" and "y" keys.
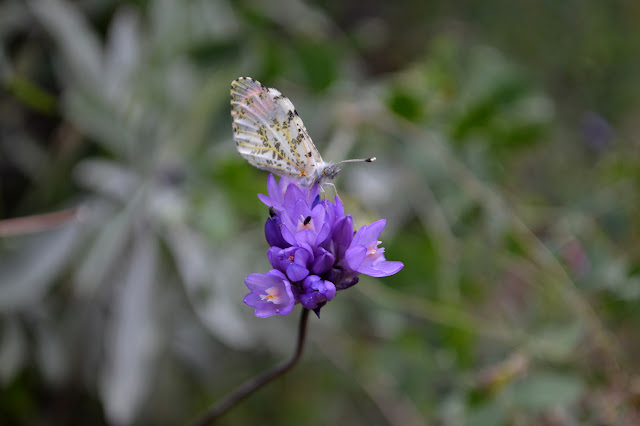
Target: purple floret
{"x": 316, "y": 291}
{"x": 270, "y": 294}
{"x": 364, "y": 255}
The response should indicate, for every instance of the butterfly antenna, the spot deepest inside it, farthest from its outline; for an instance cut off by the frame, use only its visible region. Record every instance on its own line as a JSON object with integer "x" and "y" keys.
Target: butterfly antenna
{"x": 359, "y": 160}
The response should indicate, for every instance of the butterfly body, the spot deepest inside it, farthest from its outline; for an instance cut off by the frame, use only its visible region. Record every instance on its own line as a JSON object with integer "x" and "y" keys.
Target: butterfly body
{"x": 270, "y": 134}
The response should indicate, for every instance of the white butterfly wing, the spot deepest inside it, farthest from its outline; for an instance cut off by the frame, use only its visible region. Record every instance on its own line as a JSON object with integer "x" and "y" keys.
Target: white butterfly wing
{"x": 269, "y": 133}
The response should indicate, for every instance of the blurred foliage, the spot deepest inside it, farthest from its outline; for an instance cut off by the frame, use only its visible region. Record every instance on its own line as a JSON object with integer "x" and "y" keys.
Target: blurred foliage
{"x": 507, "y": 169}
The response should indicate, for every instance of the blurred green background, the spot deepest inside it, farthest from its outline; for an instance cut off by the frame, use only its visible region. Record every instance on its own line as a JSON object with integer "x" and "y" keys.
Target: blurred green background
{"x": 508, "y": 171}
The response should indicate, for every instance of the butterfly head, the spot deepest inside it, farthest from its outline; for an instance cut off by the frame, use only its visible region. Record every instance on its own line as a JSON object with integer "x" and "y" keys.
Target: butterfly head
{"x": 322, "y": 172}
{"x": 331, "y": 170}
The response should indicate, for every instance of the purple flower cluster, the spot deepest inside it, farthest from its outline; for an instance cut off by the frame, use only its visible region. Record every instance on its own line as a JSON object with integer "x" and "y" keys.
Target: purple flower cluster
{"x": 314, "y": 251}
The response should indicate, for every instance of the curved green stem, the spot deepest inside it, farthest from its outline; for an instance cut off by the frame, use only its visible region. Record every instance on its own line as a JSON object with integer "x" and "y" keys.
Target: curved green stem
{"x": 247, "y": 388}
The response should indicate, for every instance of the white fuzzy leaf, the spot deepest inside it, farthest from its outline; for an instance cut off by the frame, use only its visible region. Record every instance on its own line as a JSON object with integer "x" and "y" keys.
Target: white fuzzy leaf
{"x": 13, "y": 348}
{"x": 132, "y": 339}
{"x": 27, "y": 273}
{"x": 81, "y": 48}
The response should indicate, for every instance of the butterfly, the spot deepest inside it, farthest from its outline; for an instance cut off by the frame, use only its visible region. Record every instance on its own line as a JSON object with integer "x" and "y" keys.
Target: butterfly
{"x": 270, "y": 134}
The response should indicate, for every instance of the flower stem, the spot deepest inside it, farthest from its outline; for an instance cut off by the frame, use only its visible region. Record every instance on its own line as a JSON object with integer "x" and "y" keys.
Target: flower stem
{"x": 39, "y": 222}
{"x": 247, "y": 388}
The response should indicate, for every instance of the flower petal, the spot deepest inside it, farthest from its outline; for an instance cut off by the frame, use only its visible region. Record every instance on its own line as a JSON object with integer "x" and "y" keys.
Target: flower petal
{"x": 369, "y": 233}
{"x": 292, "y": 196}
{"x": 323, "y": 262}
{"x": 273, "y": 233}
{"x": 306, "y": 236}
{"x": 323, "y": 234}
{"x": 296, "y": 272}
{"x": 382, "y": 269}
{"x": 354, "y": 256}
{"x": 258, "y": 282}
{"x": 288, "y": 236}
{"x": 342, "y": 235}
{"x": 273, "y": 189}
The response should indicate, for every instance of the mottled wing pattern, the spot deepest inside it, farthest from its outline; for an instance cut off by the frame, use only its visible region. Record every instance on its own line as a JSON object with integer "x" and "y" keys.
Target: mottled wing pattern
{"x": 269, "y": 133}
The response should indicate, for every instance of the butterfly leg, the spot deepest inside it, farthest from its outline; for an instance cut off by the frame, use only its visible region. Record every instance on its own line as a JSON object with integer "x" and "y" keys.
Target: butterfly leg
{"x": 335, "y": 190}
